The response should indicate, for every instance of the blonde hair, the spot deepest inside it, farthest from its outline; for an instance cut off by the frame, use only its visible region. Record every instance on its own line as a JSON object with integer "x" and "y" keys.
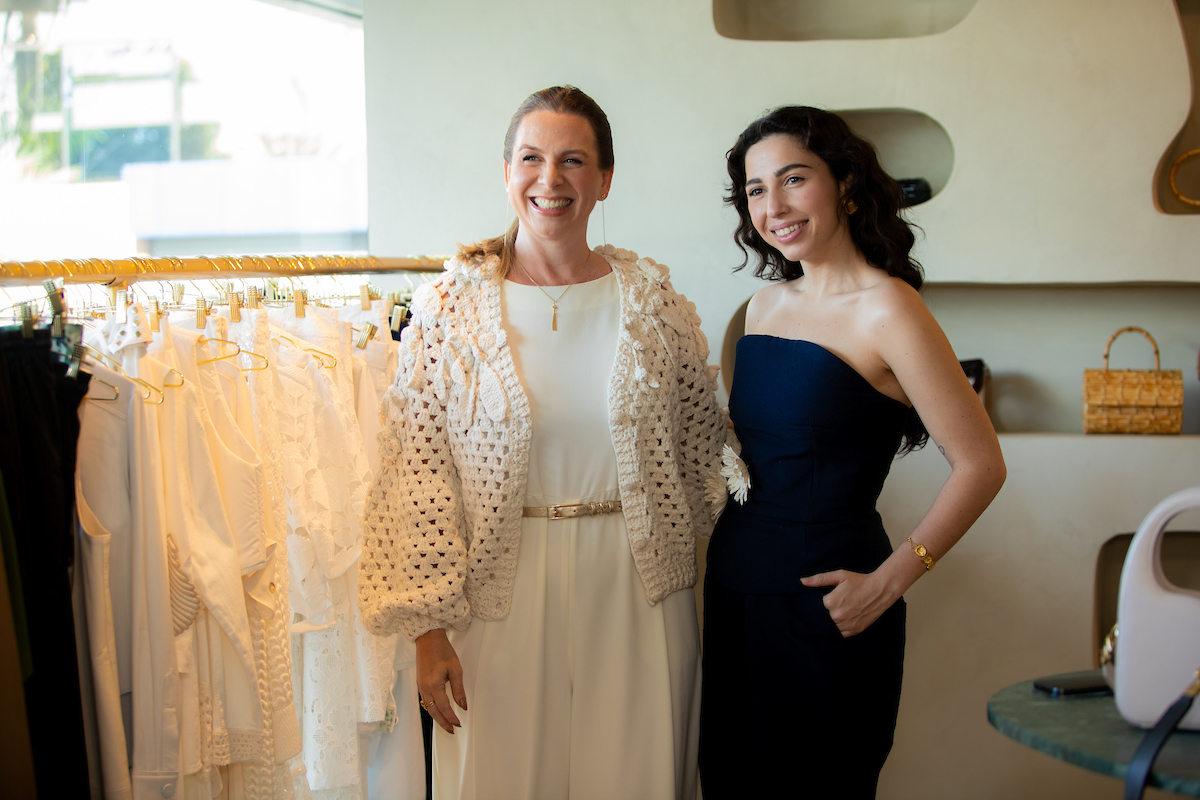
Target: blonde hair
{"x": 561, "y": 100}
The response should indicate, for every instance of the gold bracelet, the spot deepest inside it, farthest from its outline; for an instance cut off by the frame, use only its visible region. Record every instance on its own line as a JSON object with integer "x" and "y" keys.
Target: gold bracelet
{"x": 922, "y": 553}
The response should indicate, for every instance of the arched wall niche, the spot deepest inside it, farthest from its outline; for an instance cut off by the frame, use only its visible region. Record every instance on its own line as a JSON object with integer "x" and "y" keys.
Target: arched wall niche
{"x": 910, "y": 144}
{"x": 808, "y": 20}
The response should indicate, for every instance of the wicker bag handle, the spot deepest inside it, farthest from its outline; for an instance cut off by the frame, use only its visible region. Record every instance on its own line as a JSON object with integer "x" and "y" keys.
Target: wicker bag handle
{"x": 1143, "y": 332}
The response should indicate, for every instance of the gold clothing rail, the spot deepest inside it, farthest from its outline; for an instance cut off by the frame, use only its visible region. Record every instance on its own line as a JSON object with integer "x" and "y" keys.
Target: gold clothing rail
{"x": 123, "y": 271}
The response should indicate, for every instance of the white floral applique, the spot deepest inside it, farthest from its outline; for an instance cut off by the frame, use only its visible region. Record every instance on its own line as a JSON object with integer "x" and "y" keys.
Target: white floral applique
{"x": 653, "y": 271}
{"x": 736, "y": 475}
{"x": 716, "y": 492}
{"x": 733, "y": 479}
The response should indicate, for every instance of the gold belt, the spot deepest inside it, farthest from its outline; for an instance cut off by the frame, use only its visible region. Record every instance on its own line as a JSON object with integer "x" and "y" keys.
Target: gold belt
{"x": 570, "y": 510}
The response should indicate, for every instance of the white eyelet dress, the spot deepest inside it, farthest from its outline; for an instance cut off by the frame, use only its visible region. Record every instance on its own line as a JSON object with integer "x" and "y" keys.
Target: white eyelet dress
{"x": 585, "y": 691}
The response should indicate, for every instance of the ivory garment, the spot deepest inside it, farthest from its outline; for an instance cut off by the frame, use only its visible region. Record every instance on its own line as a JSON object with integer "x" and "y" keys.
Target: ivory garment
{"x": 103, "y": 470}
{"x": 267, "y": 590}
{"x": 344, "y": 674}
{"x": 585, "y": 690}
{"x": 127, "y": 497}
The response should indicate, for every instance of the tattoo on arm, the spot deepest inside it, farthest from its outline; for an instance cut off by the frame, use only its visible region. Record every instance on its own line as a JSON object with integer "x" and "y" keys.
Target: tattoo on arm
{"x": 941, "y": 449}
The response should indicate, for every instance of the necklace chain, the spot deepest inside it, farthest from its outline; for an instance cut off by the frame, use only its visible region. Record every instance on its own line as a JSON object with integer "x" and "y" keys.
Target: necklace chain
{"x": 553, "y": 300}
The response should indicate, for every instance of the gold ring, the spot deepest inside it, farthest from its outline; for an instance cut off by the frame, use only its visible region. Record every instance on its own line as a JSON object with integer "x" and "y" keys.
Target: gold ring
{"x": 1171, "y": 178}
{"x": 426, "y": 704}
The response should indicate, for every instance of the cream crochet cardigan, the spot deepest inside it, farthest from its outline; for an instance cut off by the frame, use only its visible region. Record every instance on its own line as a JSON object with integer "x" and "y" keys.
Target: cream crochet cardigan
{"x": 444, "y": 516}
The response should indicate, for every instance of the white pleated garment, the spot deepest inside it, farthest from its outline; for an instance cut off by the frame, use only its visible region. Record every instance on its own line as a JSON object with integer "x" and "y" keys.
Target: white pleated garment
{"x": 585, "y": 690}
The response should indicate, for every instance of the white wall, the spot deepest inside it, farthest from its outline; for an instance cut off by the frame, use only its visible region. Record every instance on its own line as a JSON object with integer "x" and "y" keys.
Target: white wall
{"x": 1058, "y": 112}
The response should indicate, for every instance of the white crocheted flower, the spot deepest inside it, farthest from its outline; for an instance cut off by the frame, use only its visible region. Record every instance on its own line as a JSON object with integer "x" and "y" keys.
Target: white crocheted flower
{"x": 737, "y": 477}
{"x": 716, "y": 492}
{"x": 486, "y": 344}
{"x": 651, "y": 270}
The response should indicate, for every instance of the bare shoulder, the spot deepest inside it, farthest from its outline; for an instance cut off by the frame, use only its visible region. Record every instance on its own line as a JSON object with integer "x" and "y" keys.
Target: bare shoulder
{"x": 765, "y": 302}
{"x": 891, "y": 307}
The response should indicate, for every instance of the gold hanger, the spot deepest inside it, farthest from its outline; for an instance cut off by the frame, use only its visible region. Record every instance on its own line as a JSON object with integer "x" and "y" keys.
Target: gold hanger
{"x": 116, "y": 393}
{"x": 149, "y": 388}
{"x": 105, "y": 357}
{"x": 320, "y": 354}
{"x": 235, "y": 345}
{"x": 265, "y": 362}
{"x": 117, "y": 368}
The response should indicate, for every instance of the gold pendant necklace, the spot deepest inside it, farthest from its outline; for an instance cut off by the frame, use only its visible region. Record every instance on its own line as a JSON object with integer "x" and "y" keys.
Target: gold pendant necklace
{"x": 553, "y": 300}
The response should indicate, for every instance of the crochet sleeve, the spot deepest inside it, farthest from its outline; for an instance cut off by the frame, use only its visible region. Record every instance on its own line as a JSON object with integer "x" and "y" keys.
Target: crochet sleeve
{"x": 414, "y": 560}
{"x": 702, "y": 424}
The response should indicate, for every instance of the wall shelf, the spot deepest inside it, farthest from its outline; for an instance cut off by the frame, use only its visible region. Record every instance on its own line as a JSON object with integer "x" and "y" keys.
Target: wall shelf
{"x": 807, "y": 20}
{"x": 1037, "y": 340}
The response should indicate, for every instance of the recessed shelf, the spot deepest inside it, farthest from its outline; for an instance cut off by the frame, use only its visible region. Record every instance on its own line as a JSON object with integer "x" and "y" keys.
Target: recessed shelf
{"x": 910, "y": 144}
{"x": 1187, "y": 177}
{"x": 807, "y": 20}
{"x": 1037, "y": 340}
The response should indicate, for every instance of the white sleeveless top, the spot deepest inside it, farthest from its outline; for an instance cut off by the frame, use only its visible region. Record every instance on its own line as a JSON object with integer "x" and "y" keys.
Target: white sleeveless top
{"x": 565, "y": 374}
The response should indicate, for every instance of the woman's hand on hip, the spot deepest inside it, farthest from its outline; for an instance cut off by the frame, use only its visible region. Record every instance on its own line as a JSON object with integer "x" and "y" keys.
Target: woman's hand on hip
{"x": 437, "y": 664}
{"x": 857, "y": 600}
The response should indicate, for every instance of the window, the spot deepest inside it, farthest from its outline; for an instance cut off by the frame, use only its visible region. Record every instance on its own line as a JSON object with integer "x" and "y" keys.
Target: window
{"x": 181, "y": 127}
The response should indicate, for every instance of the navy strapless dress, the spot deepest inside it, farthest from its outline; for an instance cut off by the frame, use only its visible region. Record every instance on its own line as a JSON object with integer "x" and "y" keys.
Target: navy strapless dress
{"x": 785, "y": 697}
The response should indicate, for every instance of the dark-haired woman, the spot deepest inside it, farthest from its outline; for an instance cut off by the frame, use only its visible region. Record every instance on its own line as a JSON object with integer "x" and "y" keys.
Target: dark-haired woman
{"x": 533, "y": 528}
{"x": 842, "y": 366}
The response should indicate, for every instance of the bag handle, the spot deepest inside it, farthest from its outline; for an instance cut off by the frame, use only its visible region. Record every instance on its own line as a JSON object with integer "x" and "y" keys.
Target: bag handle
{"x": 1143, "y": 332}
{"x": 1137, "y": 774}
{"x": 1142, "y": 561}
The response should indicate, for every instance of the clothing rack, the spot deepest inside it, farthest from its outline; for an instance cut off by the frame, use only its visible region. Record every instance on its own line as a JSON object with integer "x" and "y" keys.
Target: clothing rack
{"x": 124, "y": 271}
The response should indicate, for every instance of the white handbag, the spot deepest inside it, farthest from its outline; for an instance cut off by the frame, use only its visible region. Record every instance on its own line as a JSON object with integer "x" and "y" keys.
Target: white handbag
{"x": 1158, "y": 647}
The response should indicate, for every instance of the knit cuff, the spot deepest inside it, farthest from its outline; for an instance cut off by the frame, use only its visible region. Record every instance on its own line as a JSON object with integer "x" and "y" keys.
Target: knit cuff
{"x": 668, "y": 576}
{"x": 414, "y": 626}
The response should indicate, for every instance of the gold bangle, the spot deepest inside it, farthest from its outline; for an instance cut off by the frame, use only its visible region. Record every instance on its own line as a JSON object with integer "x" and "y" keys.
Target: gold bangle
{"x": 922, "y": 553}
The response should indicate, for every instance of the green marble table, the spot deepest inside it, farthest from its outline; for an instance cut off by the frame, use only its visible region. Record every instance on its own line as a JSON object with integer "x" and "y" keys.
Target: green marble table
{"x": 1089, "y": 732}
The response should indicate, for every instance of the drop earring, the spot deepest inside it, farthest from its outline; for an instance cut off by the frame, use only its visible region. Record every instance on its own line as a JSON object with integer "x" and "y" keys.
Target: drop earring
{"x": 603, "y": 221}
{"x": 851, "y": 206}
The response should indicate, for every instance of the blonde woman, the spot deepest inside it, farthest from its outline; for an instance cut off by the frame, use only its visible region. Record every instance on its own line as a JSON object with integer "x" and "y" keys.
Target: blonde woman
{"x": 533, "y": 529}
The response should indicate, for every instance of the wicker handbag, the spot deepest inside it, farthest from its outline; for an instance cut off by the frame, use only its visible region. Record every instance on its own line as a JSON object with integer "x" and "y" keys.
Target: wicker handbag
{"x": 1132, "y": 400}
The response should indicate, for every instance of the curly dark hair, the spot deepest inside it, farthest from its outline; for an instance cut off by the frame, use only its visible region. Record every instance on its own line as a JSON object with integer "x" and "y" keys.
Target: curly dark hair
{"x": 879, "y": 232}
{"x": 877, "y": 229}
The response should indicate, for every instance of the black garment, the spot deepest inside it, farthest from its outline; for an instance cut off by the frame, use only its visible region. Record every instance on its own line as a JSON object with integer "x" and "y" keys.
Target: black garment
{"x": 39, "y": 429}
{"x": 786, "y": 700}
{"x": 12, "y": 574}
{"x": 427, "y": 740}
